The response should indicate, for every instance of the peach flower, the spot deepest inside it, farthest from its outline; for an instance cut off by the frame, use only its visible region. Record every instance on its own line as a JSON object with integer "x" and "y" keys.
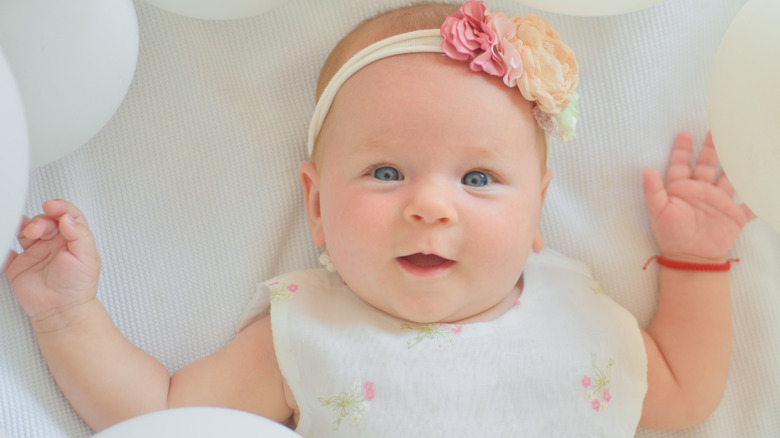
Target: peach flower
{"x": 549, "y": 67}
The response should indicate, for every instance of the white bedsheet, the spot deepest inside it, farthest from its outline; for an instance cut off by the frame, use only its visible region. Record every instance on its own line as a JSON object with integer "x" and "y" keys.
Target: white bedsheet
{"x": 192, "y": 193}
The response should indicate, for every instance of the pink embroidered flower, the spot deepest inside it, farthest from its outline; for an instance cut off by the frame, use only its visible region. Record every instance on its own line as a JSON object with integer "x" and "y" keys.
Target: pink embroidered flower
{"x": 606, "y": 396}
{"x": 369, "y": 387}
{"x": 550, "y": 69}
{"x": 585, "y": 382}
{"x": 596, "y": 405}
{"x": 457, "y": 329}
{"x": 469, "y": 37}
{"x": 292, "y": 287}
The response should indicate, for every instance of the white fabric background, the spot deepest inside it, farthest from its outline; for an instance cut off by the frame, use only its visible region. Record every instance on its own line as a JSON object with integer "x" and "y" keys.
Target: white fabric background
{"x": 192, "y": 193}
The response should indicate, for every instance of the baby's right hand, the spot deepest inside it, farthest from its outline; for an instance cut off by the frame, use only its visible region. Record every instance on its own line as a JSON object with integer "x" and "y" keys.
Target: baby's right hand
{"x": 59, "y": 267}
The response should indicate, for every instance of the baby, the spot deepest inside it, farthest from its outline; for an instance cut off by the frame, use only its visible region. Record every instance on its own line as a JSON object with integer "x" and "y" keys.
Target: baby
{"x": 440, "y": 312}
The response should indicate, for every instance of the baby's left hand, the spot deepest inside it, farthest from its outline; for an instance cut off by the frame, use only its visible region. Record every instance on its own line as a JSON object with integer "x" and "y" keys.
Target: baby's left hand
{"x": 696, "y": 215}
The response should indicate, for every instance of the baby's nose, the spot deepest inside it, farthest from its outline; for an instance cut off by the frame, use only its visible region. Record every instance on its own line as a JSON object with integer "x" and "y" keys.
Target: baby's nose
{"x": 431, "y": 203}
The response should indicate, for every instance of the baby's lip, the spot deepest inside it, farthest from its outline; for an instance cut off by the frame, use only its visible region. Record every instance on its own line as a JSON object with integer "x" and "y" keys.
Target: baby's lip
{"x": 425, "y": 261}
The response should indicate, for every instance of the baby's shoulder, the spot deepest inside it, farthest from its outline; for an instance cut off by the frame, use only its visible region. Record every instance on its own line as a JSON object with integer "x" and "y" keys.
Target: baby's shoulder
{"x": 550, "y": 262}
{"x": 279, "y": 289}
{"x": 563, "y": 279}
{"x": 305, "y": 278}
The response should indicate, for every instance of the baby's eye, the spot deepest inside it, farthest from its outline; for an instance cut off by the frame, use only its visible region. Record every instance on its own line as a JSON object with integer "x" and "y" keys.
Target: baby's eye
{"x": 475, "y": 178}
{"x": 387, "y": 173}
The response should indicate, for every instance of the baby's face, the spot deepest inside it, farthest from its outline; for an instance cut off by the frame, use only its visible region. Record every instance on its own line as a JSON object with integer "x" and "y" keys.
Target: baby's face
{"x": 428, "y": 189}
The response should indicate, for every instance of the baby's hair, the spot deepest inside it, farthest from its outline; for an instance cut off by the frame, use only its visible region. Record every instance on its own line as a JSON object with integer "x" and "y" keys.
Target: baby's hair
{"x": 417, "y": 16}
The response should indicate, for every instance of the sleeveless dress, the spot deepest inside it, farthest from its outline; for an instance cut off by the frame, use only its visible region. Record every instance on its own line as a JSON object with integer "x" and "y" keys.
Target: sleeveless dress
{"x": 566, "y": 360}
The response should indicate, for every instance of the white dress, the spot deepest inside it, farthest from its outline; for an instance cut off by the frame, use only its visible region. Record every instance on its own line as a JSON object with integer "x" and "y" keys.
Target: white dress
{"x": 564, "y": 361}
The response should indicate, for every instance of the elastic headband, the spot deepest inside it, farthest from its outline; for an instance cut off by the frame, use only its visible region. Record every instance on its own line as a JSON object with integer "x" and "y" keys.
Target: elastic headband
{"x": 525, "y": 52}
{"x": 420, "y": 41}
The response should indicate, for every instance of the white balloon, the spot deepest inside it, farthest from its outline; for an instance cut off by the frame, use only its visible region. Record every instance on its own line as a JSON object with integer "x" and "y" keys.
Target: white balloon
{"x": 74, "y": 61}
{"x": 745, "y": 107}
{"x": 217, "y": 9}
{"x": 589, "y": 8}
{"x": 14, "y": 158}
{"x": 198, "y": 422}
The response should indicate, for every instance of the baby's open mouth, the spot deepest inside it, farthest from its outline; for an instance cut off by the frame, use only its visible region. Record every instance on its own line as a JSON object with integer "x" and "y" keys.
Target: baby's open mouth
{"x": 425, "y": 260}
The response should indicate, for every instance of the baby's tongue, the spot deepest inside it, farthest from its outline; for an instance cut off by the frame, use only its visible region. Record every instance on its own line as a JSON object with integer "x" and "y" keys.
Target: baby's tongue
{"x": 424, "y": 260}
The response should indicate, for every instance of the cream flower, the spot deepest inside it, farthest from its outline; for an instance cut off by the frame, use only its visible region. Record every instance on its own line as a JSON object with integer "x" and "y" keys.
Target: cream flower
{"x": 549, "y": 68}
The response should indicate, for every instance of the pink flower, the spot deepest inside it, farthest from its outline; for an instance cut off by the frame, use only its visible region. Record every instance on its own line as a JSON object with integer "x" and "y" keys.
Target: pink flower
{"x": 369, "y": 387}
{"x": 606, "y": 396}
{"x": 292, "y": 287}
{"x": 596, "y": 405}
{"x": 585, "y": 382}
{"x": 469, "y": 36}
{"x": 457, "y": 329}
{"x": 504, "y": 47}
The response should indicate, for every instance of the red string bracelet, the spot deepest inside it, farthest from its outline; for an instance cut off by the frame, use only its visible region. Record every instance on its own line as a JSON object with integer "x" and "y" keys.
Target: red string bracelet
{"x": 691, "y": 266}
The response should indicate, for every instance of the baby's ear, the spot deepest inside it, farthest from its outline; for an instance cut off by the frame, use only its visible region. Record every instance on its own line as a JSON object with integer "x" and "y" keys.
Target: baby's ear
{"x": 307, "y": 172}
{"x": 546, "y": 178}
{"x": 538, "y": 243}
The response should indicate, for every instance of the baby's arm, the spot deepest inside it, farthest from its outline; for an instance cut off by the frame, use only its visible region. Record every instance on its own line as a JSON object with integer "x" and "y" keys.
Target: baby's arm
{"x": 688, "y": 342}
{"x": 104, "y": 377}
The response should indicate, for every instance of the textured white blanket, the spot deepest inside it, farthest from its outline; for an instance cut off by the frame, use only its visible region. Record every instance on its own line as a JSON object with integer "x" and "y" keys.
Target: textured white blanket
{"x": 192, "y": 193}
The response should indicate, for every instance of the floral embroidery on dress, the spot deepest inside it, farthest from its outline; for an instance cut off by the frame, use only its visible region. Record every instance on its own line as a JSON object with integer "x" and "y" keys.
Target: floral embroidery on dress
{"x": 599, "y": 291}
{"x": 281, "y": 291}
{"x": 597, "y": 388}
{"x": 440, "y": 333}
{"x": 352, "y": 404}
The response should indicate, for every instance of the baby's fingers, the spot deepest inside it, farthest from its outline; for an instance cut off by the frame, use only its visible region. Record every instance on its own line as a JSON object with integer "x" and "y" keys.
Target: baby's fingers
{"x": 656, "y": 197}
{"x": 81, "y": 243}
{"x": 707, "y": 163}
{"x": 725, "y": 185}
{"x": 41, "y": 227}
{"x": 56, "y": 208}
{"x": 748, "y": 212}
{"x": 61, "y": 218}
{"x": 680, "y": 158}
{"x": 9, "y": 259}
{"x": 46, "y": 226}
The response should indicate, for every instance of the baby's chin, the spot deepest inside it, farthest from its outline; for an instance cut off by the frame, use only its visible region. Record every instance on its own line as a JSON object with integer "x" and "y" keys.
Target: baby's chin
{"x": 422, "y": 316}
{"x": 465, "y": 315}
{"x": 442, "y": 316}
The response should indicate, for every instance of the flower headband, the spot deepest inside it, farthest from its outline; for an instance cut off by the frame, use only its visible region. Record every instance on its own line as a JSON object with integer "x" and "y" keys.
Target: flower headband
{"x": 525, "y": 52}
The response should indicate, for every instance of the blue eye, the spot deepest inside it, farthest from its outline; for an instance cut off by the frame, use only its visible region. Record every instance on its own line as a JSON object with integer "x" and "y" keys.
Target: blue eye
{"x": 476, "y": 178}
{"x": 386, "y": 173}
